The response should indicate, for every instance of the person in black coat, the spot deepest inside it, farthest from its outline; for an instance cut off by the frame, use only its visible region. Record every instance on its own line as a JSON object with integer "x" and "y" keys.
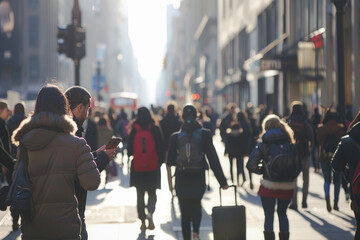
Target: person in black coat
{"x": 345, "y": 160}
{"x": 14, "y": 122}
{"x": 190, "y": 188}
{"x": 145, "y": 181}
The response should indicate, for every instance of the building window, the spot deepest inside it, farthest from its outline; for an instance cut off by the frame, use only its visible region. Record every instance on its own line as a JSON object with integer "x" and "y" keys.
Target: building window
{"x": 34, "y": 67}
{"x": 33, "y": 31}
{"x": 33, "y": 4}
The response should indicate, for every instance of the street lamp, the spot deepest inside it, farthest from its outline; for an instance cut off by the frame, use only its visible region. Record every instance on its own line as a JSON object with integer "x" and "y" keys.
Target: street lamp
{"x": 340, "y": 6}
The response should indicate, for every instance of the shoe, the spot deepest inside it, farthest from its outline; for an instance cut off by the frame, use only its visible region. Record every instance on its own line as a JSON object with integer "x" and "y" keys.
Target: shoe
{"x": 251, "y": 186}
{"x": 143, "y": 226}
{"x": 347, "y": 197}
{"x": 196, "y": 236}
{"x": 269, "y": 235}
{"x": 151, "y": 225}
{"x": 336, "y": 207}
{"x": 242, "y": 184}
{"x": 293, "y": 207}
{"x": 284, "y": 235}
{"x": 304, "y": 205}
{"x": 328, "y": 206}
{"x": 15, "y": 226}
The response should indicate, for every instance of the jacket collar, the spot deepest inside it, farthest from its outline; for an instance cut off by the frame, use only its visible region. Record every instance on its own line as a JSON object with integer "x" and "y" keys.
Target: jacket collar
{"x": 50, "y": 121}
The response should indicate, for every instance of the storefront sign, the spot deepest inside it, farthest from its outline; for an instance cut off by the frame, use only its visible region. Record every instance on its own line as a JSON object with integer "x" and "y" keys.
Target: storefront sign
{"x": 270, "y": 64}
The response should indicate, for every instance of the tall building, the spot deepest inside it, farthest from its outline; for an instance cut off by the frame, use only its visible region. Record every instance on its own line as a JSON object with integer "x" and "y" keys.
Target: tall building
{"x": 27, "y": 45}
{"x": 191, "y": 60}
{"x": 108, "y": 48}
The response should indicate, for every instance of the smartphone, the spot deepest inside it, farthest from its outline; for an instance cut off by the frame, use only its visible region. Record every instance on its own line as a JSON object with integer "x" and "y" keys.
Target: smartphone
{"x": 113, "y": 143}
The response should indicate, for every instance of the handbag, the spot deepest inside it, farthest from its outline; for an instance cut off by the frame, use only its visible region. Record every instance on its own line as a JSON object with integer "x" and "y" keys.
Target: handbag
{"x": 19, "y": 197}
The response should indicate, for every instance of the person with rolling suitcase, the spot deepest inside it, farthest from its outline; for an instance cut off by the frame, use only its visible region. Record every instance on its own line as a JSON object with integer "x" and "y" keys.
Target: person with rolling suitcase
{"x": 187, "y": 150}
{"x": 277, "y": 160}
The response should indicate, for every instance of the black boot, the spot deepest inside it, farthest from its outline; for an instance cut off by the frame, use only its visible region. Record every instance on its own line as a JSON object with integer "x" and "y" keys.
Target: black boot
{"x": 284, "y": 235}
{"x": 269, "y": 235}
{"x": 336, "y": 206}
{"x": 328, "y": 206}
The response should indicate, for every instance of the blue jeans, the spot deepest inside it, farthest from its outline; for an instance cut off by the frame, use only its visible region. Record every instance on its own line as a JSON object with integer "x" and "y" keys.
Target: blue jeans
{"x": 328, "y": 174}
{"x": 269, "y": 209}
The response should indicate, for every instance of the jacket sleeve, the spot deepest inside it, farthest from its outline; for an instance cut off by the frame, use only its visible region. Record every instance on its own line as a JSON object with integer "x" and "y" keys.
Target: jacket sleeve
{"x": 87, "y": 171}
{"x": 338, "y": 160}
{"x": 213, "y": 158}
{"x": 310, "y": 133}
{"x": 130, "y": 149}
{"x": 172, "y": 151}
{"x": 256, "y": 156}
{"x": 101, "y": 160}
{"x": 159, "y": 144}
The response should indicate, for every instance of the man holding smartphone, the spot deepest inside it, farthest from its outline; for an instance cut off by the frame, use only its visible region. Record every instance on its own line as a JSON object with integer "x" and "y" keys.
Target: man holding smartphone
{"x": 79, "y": 101}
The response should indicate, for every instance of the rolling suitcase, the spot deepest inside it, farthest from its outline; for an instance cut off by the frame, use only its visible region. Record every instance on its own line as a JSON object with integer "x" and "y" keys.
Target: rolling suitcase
{"x": 229, "y": 222}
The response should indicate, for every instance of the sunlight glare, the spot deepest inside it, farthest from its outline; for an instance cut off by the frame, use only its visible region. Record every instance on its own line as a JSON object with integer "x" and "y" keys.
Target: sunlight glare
{"x": 147, "y": 29}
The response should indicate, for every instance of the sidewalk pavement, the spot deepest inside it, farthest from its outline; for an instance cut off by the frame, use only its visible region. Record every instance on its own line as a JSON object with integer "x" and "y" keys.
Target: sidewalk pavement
{"x": 111, "y": 211}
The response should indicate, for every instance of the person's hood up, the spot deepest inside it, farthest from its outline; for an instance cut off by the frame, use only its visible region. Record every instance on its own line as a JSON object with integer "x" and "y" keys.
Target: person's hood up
{"x": 354, "y": 132}
{"x": 37, "y": 131}
{"x": 274, "y": 135}
{"x": 17, "y": 118}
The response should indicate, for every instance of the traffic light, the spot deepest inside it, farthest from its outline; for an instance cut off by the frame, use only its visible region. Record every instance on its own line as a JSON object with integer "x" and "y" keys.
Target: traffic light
{"x": 65, "y": 40}
{"x": 71, "y": 41}
{"x": 79, "y": 37}
{"x": 195, "y": 96}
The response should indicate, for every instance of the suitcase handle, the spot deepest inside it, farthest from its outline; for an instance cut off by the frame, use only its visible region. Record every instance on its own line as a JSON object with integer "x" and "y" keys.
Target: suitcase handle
{"x": 234, "y": 186}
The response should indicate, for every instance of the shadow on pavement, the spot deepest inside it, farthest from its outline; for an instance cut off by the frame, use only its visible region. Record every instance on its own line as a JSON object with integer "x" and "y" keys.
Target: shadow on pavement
{"x": 325, "y": 225}
{"x": 124, "y": 179}
{"x": 94, "y": 197}
{"x": 249, "y": 197}
{"x": 12, "y": 235}
{"x": 142, "y": 236}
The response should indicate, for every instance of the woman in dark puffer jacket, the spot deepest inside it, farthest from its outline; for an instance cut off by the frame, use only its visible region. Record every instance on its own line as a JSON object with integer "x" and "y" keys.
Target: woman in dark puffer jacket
{"x": 345, "y": 160}
{"x": 275, "y": 131}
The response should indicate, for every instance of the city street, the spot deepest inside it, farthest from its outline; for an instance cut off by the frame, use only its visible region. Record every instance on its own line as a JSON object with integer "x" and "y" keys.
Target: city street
{"x": 111, "y": 212}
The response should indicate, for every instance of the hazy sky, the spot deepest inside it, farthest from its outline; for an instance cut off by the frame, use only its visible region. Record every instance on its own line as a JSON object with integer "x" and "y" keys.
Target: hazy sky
{"x": 147, "y": 29}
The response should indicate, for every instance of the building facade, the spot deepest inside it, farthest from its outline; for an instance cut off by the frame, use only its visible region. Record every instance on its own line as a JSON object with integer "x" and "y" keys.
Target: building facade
{"x": 109, "y": 54}
{"x": 191, "y": 59}
{"x": 28, "y": 46}
{"x": 272, "y": 52}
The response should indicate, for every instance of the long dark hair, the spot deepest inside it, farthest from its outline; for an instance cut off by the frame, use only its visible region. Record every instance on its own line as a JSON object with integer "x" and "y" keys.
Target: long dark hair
{"x": 51, "y": 99}
{"x": 144, "y": 117}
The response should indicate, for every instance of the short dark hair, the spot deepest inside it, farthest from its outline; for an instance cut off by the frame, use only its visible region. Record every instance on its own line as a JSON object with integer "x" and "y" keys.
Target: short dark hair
{"x": 77, "y": 95}
{"x": 19, "y": 108}
{"x": 3, "y": 105}
{"x": 51, "y": 99}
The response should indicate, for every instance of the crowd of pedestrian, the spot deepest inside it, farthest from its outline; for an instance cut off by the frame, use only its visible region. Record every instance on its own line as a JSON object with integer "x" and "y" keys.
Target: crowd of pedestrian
{"x": 65, "y": 140}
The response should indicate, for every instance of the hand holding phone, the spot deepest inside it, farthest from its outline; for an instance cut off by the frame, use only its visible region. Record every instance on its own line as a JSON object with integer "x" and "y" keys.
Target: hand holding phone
{"x": 113, "y": 143}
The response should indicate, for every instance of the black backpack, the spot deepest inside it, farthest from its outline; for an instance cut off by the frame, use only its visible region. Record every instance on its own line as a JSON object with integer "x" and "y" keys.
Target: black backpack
{"x": 282, "y": 163}
{"x": 190, "y": 157}
{"x": 329, "y": 146}
{"x": 19, "y": 197}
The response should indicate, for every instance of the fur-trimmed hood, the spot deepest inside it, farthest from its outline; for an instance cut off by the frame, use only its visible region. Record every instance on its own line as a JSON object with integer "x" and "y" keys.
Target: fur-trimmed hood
{"x": 37, "y": 131}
